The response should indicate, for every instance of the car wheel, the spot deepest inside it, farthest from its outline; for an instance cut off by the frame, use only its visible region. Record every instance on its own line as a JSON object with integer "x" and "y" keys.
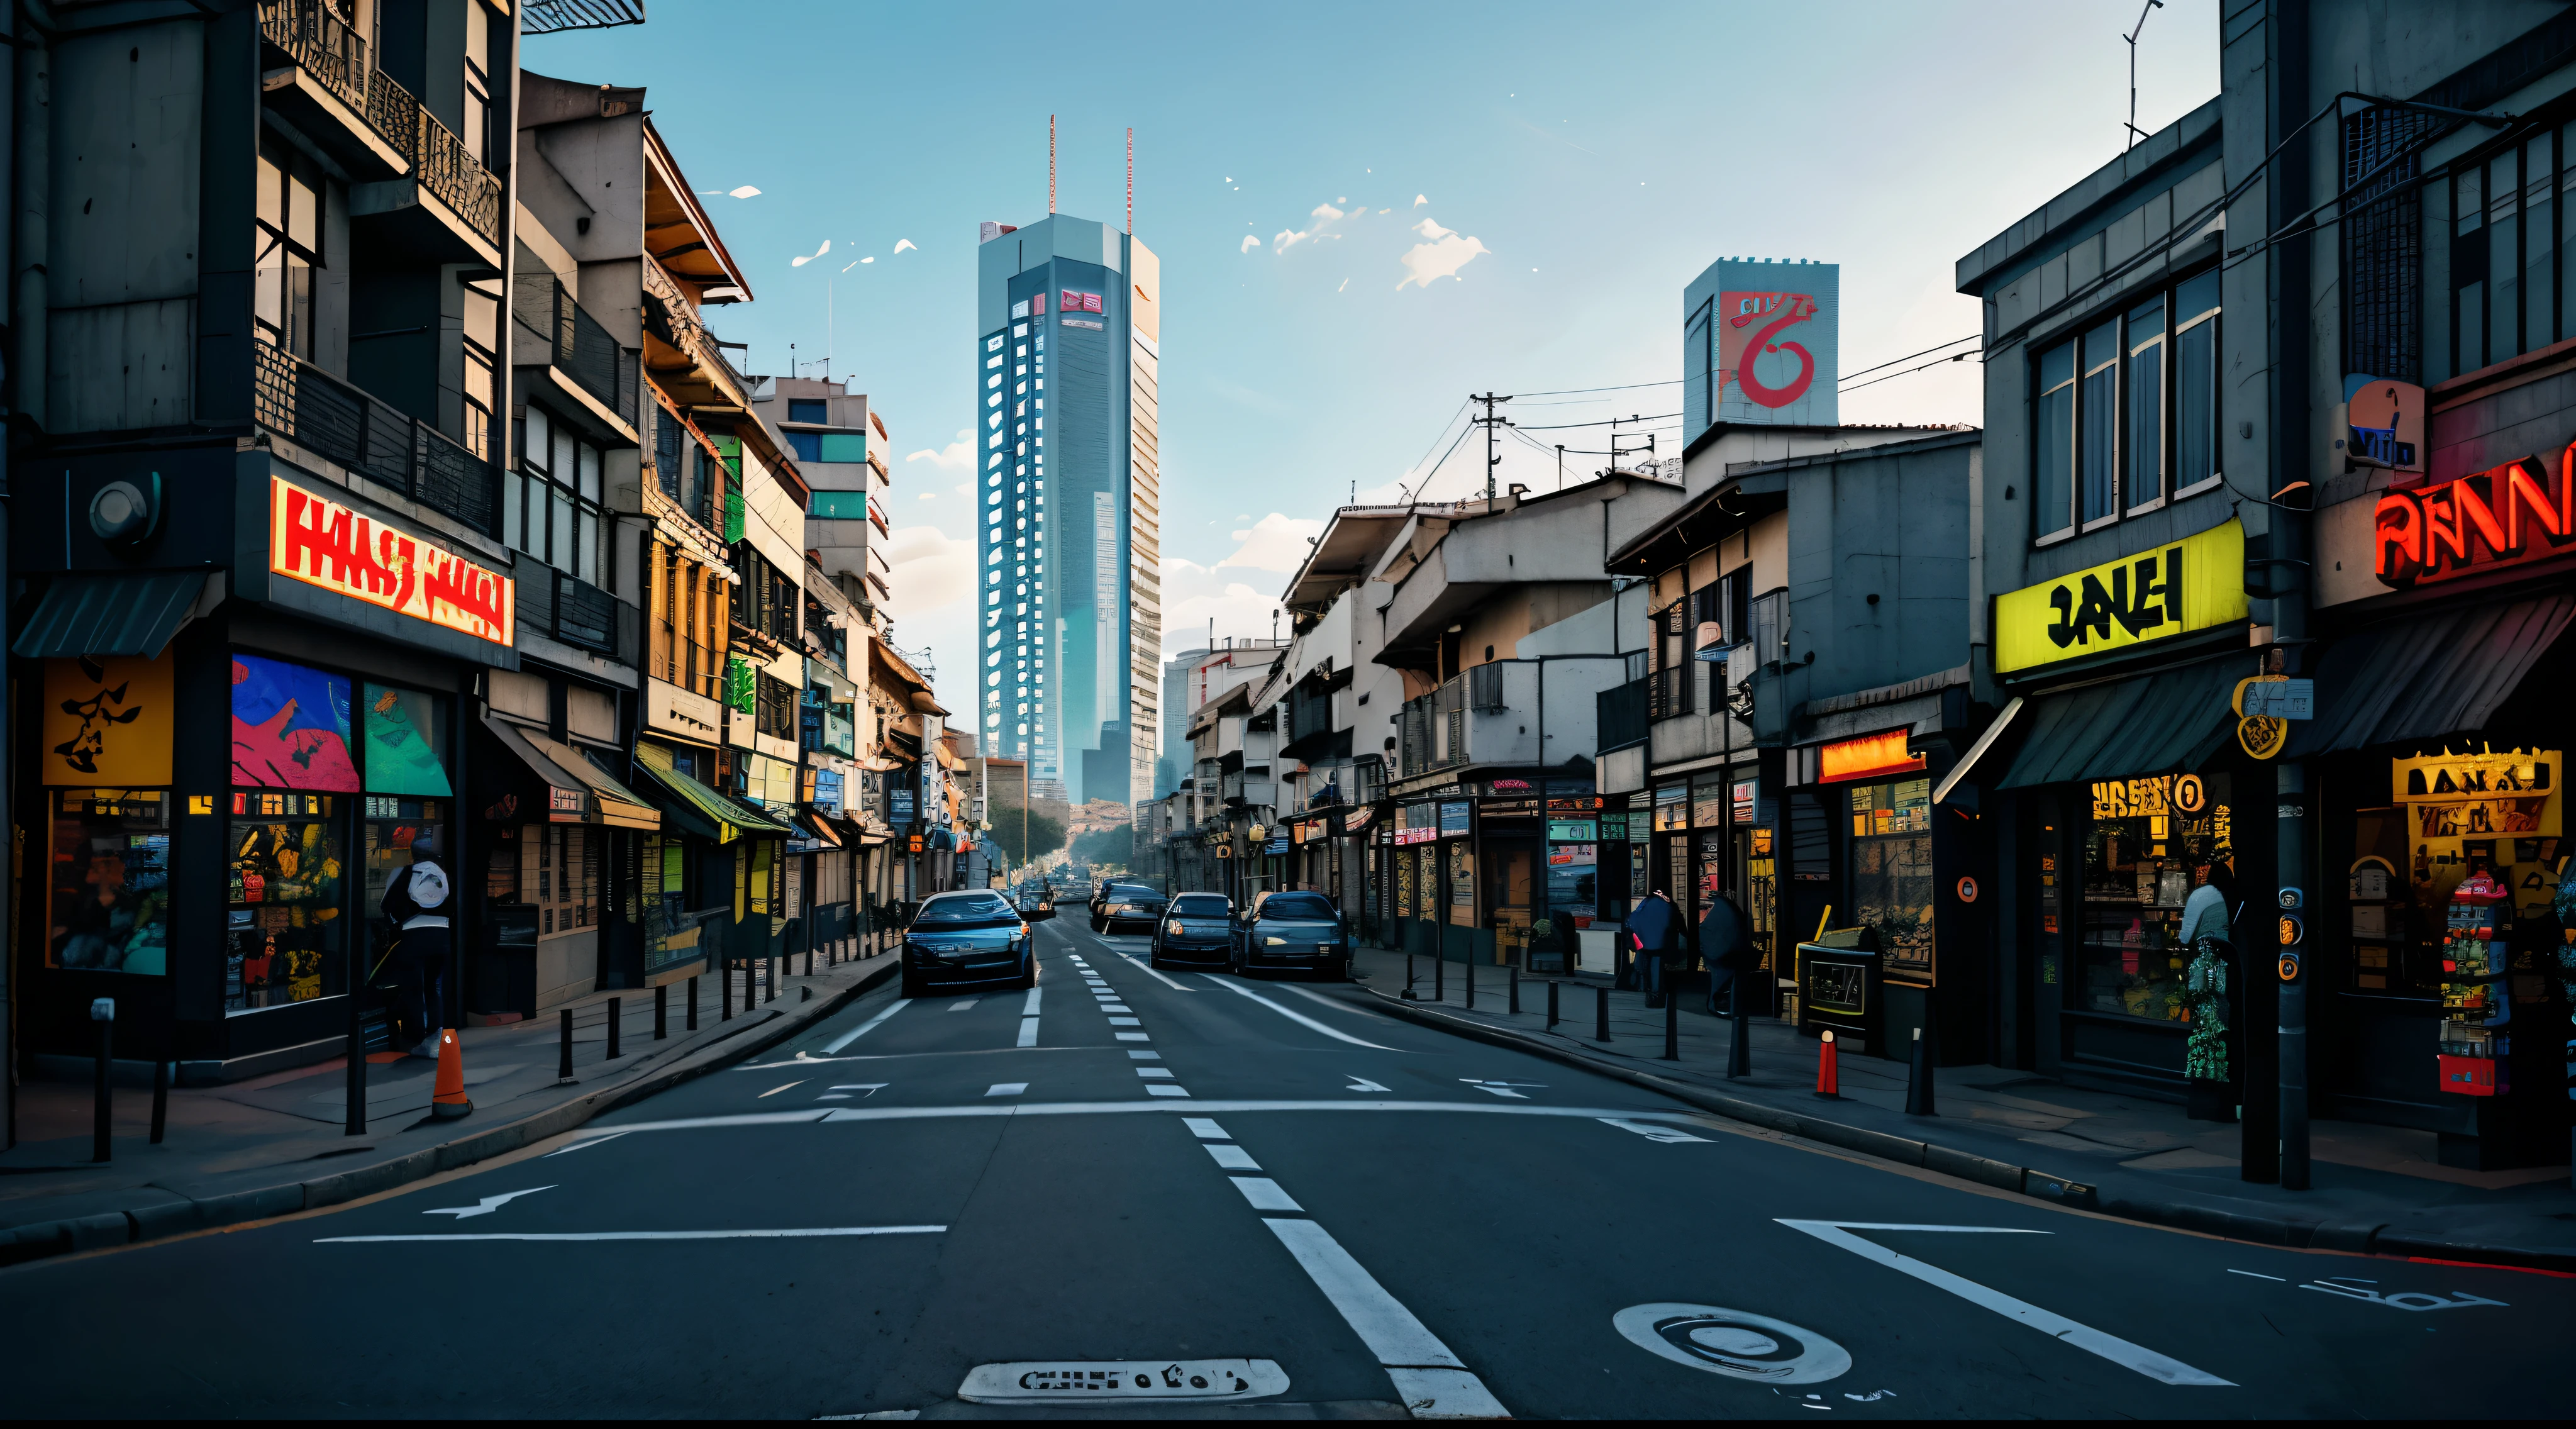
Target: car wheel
{"x": 1029, "y": 977}
{"x": 911, "y": 985}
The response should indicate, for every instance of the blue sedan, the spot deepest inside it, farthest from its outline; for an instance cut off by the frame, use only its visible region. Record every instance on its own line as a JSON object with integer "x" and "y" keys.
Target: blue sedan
{"x": 1294, "y": 930}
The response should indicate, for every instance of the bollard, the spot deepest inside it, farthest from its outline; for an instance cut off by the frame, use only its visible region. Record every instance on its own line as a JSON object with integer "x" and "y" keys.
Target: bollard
{"x": 1439, "y": 977}
{"x": 160, "y": 1100}
{"x": 1552, "y": 986}
{"x": 724, "y": 993}
{"x": 1829, "y": 1069}
{"x": 1918, "y": 1078}
{"x": 1739, "y": 1051}
{"x": 1516, "y": 987}
{"x": 693, "y": 1004}
{"x": 1600, "y": 1014}
{"x": 616, "y": 1024}
{"x": 563, "y": 1062}
{"x": 1468, "y": 964}
{"x": 1672, "y": 1024}
{"x": 102, "y": 1010}
{"x": 1409, "y": 994}
{"x": 354, "y": 1076}
{"x": 661, "y": 1012}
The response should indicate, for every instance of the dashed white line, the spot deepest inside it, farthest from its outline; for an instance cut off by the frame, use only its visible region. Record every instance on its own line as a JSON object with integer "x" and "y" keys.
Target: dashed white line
{"x": 1234, "y": 1158}
{"x": 963, "y": 1003}
{"x": 1029, "y": 1008}
{"x": 1126, "y": 1022}
{"x": 1028, "y": 1032}
{"x": 1264, "y": 1193}
{"x": 1153, "y": 1071}
{"x": 797, "y": 1233}
{"x": 1006, "y": 1089}
{"x": 1164, "y": 1089}
{"x": 1205, "y": 1128}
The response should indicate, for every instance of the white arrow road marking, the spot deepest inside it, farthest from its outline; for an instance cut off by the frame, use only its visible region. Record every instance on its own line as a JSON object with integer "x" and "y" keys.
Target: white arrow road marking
{"x": 1653, "y": 1133}
{"x": 487, "y": 1205}
{"x": 1299, "y": 1018}
{"x": 864, "y": 1028}
{"x": 792, "y": 1234}
{"x": 1363, "y": 1084}
{"x": 1501, "y": 1089}
{"x": 1434, "y": 1383}
{"x": 2084, "y": 1337}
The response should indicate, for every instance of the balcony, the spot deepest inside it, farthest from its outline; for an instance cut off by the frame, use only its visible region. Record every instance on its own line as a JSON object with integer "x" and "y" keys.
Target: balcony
{"x": 683, "y": 355}
{"x": 378, "y": 125}
{"x": 566, "y": 608}
{"x": 342, "y": 424}
{"x": 1622, "y": 715}
{"x": 576, "y": 346}
{"x": 1668, "y": 692}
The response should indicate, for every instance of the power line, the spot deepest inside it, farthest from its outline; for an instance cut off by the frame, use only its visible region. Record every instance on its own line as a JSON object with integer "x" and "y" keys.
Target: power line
{"x": 1606, "y": 421}
{"x": 1622, "y": 387}
{"x": 1961, "y": 357}
{"x": 1909, "y": 357}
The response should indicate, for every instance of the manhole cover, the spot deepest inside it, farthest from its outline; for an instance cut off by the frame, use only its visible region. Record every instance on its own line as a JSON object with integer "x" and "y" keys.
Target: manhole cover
{"x": 1733, "y": 1343}
{"x": 1076, "y": 1381}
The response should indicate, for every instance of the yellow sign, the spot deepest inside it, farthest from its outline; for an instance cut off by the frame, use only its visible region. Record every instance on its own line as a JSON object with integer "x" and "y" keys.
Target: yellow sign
{"x": 108, "y": 721}
{"x": 2262, "y": 735}
{"x": 2477, "y": 795}
{"x": 2195, "y": 583}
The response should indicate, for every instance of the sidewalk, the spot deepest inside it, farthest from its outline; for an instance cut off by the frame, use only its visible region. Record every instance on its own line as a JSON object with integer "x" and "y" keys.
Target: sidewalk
{"x": 278, "y": 1144}
{"x": 2375, "y": 1188}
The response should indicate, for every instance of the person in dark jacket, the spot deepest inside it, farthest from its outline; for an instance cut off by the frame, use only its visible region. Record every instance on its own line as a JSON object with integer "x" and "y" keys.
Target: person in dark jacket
{"x": 418, "y": 903}
{"x": 1726, "y": 942}
{"x": 1654, "y": 934}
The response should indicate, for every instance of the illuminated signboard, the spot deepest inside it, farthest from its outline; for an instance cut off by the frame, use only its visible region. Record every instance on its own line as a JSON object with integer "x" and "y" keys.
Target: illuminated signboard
{"x": 323, "y": 543}
{"x": 2520, "y": 511}
{"x": 2193, "y": 584}
{"x": 1073, "y": 302}
{"x": 1871, "y": 754}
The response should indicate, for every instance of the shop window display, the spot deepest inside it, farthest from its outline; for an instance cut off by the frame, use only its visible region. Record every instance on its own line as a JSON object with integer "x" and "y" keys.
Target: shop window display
{"x": 1891, "y": 870}
{"x": 2149, "y": 843}
{"x": 2450, "y": 817}
{"x": 109, "y": 895}
{"x": 282, "y": 924}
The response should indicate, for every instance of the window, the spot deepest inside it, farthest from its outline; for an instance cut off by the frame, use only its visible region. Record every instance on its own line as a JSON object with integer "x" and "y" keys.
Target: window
{"x": 808, "y": 409}
{"x": 477, "y": 132}
{"x": 289, "y": 214}
{"x": 830, "y": 446}
{"x": 482, "y": 301}
{"x": 550, "y": 506}
{"x": 2507, "y": 266}
{"x": 1891, "y": 870}
{"x": 2383, "y": 243}
{"x": 2126, "y": 415}
{"x": 2142, "y": 858}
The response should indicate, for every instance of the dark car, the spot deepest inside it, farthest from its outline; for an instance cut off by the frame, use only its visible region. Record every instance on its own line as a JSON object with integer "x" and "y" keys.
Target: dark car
{"x": 1293, "y": 929}
{"x": 968, "y": 940}
{"x": 1198, "y": 928}
{"x": 1130, "y": 903}
{"x": 1036, "y": 901}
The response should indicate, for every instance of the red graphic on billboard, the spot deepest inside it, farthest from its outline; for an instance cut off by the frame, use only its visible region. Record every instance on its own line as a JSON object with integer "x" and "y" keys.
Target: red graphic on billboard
{"x": 1753, "y": 324}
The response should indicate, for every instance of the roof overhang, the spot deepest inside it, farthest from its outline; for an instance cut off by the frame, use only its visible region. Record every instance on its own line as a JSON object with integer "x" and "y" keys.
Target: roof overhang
{"x": 678, "y": 232}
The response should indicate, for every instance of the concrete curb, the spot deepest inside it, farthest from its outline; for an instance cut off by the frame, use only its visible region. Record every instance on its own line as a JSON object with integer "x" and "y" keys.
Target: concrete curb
{"x": 2366, "y": 1239}
{"x": 181, "y": 1214}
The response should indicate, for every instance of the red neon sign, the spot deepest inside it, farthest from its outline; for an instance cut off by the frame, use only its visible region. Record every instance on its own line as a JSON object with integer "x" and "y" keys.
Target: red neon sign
{"x": 2508, "y": 514}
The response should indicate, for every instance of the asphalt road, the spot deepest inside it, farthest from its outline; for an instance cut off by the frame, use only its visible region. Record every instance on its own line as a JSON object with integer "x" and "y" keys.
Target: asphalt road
{"x": 1309, "y": 1209}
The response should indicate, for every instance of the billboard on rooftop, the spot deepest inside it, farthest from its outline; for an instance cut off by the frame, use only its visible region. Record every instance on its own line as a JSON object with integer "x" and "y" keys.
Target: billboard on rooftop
{"x": 1761, "y": 344}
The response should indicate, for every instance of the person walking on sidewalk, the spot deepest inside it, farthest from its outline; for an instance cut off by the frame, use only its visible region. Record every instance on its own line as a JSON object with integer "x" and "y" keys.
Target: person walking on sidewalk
{"x": 1726, "y": 942}
{"x": 1654, "y": 935}
{"x": 417, "y": 904}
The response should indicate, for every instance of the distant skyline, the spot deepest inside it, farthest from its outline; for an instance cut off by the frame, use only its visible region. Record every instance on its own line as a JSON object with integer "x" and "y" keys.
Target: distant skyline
{"x": 1364, "y": 214}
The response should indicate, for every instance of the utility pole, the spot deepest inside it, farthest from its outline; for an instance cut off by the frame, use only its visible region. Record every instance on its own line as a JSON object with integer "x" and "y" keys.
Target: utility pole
{"x": 2135, "y": 133}
{"x": 1489, "y": 422}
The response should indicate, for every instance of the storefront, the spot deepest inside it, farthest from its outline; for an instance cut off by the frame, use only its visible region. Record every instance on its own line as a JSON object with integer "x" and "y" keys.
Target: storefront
{"x": 221, "y": 879}
{"x": 564, "y": 841}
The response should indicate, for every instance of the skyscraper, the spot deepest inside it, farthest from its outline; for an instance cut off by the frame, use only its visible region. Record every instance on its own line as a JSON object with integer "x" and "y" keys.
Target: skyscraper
{"x": 1069, "y": 313}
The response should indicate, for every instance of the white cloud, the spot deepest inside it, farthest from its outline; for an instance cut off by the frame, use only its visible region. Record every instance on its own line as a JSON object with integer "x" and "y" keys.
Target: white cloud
{"x": 871, "y": 258}
{"x": 1250, "y": 242}
{"x": 901, "y": 244}
{"x": 746, "y": 191}
{"x": 810, "y": 257}
{"x": 1419, "y": 200}
{"x": 930, "y": 496}
{"x": 964, "y": 488}
{"x": 930, "y": 569}
{"x": 1273, "y": 543}
{"x": 1441, "y": 257}
{"x": 1193, "y": 597}
{"x": 956, "y": 456}
{"x": 1324, "y": 216}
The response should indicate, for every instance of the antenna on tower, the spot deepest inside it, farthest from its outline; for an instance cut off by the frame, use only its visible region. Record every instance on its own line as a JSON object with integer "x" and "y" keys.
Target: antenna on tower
{"x": 1050, "y": 163}
{"x": 1131, "y": 181}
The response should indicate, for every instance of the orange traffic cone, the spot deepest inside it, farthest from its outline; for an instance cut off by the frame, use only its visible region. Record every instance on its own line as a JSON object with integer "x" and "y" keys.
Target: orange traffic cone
{"x": 448, "y": 1100}
{"x": 1828, "y": 1067}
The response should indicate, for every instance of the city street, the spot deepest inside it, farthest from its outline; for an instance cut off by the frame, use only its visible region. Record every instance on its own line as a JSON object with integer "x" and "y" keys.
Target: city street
{"x": 1246, "y": 1192}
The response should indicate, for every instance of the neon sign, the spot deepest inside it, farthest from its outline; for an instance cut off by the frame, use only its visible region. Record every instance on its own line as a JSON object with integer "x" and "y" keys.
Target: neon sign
{"x": 2498, "y": 517}
{"x": 323, "y": 543}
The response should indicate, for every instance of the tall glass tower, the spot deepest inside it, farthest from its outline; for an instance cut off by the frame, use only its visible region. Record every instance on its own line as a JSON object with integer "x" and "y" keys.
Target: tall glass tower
{"x": 1070, "y": 317}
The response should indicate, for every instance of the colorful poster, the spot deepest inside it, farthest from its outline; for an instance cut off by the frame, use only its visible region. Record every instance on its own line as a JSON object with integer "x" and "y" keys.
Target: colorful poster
{"x": 402, "y": 743}
{"x": 108, "y": 721}
{"x": 290, "y": 727}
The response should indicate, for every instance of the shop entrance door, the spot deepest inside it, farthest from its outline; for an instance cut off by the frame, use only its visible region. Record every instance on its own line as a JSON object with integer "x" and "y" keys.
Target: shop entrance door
{"x": 1510, "y": 869}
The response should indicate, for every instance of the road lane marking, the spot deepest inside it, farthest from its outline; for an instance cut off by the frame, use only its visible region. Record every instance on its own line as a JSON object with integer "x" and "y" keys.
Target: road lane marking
{"x": 1155, "y": 973}
{"x": 1734, "y": 1343}
{"x": 1162, "y": 1089}
{"x": 864, "y": 1028}
{"x": 1298, "y": 1017}
{"x": 584, "y": 1145}
{"x": 1234, "y": 1158}
{"x": 1144, "y": 1056}
{"x": 1029, "y": 1008}
{"x": 1363, "y": 1084}
{"x": 1264, "y": 1193}
{"x": 1131, "y": 1036}
{"x": 797, "y": 1233}
{"x": 2083, "y": 1337}
{"x": 2258, "y": 1275}
{"x": 1433, "y": 1381}
{"x": 1006, "y": 1089}
{"x": 976, "y": 1109}
{"x": 963, "y": 1003}
{"x": 1153, "y": 1071}
{"x": 1028, "y": 1032}
{"x": 773, "y": 1091}
{"x": 1653, "y": 1133}
{"x": 1126, "y": 1022}
{"x": 1205, "y": 1128}
{"x": 486, "y": 1206}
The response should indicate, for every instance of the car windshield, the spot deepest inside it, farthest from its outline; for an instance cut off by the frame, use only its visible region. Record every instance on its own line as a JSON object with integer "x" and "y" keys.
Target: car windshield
{"x": 965, "y": 908}
{"x": 1198, "y": 905}
{"x": 1296, "y": 905}
{"x": 1131, "y": 891}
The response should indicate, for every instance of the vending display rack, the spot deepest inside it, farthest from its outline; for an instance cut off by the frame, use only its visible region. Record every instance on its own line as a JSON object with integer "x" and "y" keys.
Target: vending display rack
{"x": 2474, "y": 1045}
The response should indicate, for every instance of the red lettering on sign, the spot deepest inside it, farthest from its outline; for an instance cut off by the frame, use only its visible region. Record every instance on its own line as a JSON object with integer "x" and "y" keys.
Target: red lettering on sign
{"x": 2507, "y": 514}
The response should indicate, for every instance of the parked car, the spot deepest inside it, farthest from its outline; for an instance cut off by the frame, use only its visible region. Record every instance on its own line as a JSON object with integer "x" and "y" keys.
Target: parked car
{"x": 968, "y": 940}
{"x": 1197, "y": 930}
{"x": 1293, "y": 929}
{"x": 1035, "y": 899}
{"x": 1130, "y": 903}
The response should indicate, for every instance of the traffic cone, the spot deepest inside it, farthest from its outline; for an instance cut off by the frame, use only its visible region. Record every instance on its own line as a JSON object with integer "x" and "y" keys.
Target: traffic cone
{"x": 1828, "y": 1067}
{"x": 447, "y": 1101}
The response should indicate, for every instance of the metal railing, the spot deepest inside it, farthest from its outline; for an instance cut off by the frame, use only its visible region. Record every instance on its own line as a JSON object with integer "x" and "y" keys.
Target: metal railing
{"x": 448, "y": 169}
{"x": 1620, "y": 715}
{"x": 322, "y": 43}
{"x": 1669, "y": 692}
{"x": 577, "y": 345}
{"x": 388, "y": 447}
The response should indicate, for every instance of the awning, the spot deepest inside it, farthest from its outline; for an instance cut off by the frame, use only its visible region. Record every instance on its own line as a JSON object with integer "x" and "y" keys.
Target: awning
{"x": 695, "y": 808}
{"x": 818, "y": 823}
{"x": 2117, "y": 729}
{"x": 2427, "y": 676}
{"x": 110, "y": 613}
{"x": 558, "y": 784}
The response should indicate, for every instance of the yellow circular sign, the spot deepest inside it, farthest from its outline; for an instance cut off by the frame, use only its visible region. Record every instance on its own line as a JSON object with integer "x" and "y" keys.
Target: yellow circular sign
{"x": 2262, "y": 735}
{"x": 2190, "y": 796}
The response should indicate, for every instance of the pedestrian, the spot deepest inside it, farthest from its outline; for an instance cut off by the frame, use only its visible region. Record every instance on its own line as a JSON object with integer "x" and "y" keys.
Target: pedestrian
{"x": 1726, "y": 943}
{"x": 416, "y": 904}
{"x": 1654, "y": 933}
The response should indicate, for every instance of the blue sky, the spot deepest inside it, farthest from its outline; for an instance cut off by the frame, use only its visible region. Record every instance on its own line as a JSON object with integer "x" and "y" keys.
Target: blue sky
{"x": 1584, "y": 162}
